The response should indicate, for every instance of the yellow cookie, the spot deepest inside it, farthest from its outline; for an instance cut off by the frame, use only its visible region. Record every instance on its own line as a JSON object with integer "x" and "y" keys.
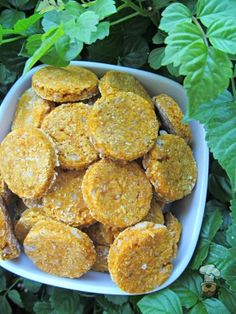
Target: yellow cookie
{"x": 171, "y": 168}
{"x": 67, "y": 125}
{"x": 102, "y": 234}
{"x": 123, "y": 126}
{"x": 175, "y": 228}
{"x": 117, "y": 195}
{"x": 139, "y": 260}
{"x": 64, "y": 202}
{"x": 9, "y": 247}
{"x": 113, "y": 82}
{"x": 59, "y": 250}
{"x": 68, "y": 84}
{"x": 30, "y": 110}
{"x": 27, "y": 220}
{"x": 27, "y": 162}
{"x": 155, "y": 213}
{"x": 171, "y": 117}
{"x": 101, "y": 260}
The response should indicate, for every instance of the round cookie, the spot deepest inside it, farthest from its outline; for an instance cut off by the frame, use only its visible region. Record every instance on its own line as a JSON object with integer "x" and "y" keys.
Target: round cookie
{"x": 117, "y": 195}
{"x": 102, "y": 234}
{"x": 171, "y": 117}
{"x": 171, "y": 168}
{"x": 68, "y": 84}
{"x": 123, "y": 126}
{"x": 27, "y": 162}
{"x": 155, "y": 213}
{"x": 114, "y": 81}
{"x": 67, "y": 125}
{"x": 64, "y": 202}
{"x": 101, "y": 259}
{"x": 30, "y": 110}
{"x": 175, "y": 228}
{"x": 59, "y": 250}
{"x": 140, "y": 257}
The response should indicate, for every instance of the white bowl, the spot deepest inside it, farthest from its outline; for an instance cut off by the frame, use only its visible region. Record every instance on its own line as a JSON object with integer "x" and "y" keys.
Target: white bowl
{"x": 189, "y": 210}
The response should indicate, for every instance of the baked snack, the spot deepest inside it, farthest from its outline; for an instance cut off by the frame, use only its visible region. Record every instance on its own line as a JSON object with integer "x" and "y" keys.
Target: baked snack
{"x": 67, "y": 125}
{"x": 155, "y": 213}
{"x": 171, "y": 117}
{"x": 114, "y": 81}
{"x": 68, "y": 84}
{"x": 59, "y": 250}
{"x": 101, "y": 258}
{"x": 139, "y": 259}
{"x": 175, "y": 228}
{"x": 27, "y": 162}
{"x": 171, "y": 168}
{"x": 122, "y": 126}
{"x": 102, "y": 234}
{"x": 117, "y": 194}
{"x": 64, "y": 202}
{"x": 30, "y": 110}
{"x": 5, "y": 193}
{"x": 9, "y": 247}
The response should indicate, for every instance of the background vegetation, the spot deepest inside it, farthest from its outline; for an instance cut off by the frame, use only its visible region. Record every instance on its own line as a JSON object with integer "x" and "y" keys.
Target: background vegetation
{"x": 193, "y": 42}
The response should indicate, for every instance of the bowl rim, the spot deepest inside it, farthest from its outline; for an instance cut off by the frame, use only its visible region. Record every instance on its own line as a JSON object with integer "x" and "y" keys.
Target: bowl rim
{"x": 75, "y": 284}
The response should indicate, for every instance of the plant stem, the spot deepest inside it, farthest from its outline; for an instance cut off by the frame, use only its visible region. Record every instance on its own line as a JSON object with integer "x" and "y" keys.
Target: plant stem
{"x": 9, "y": 40}
{"x": 195, "y": 21}
{"x": 233, "y": 87}
{"x": 124, "y": 18}
{"x": 122, "y": 6}
{"x": 14, "y": 283}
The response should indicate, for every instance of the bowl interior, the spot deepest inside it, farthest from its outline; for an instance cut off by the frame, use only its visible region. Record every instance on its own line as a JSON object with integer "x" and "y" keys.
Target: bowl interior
{"x": 189, "y": 210}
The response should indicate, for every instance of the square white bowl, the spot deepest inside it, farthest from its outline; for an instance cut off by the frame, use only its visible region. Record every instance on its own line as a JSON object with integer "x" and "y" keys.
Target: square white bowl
{"x": 189, "y": 210}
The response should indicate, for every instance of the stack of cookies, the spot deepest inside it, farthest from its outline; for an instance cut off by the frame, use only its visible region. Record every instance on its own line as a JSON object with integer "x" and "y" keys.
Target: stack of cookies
{"x": 94, "y": 162}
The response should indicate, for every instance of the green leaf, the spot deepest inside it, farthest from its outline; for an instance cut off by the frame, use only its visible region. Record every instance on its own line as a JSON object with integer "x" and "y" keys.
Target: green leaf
{"x": 51, "y": 19}
{"x": 173, "y": 70}
{"x": 32, "y": 286}
{"x": 209, "y": 306}
{"x": 102, "y": 31}
{"x": 4, "y": 306}
{"x": 6, "y": 76}
{"x": 15, "y": 297}
{"x": 50, "y": 39}
{"x": 158, "y": 38}
{"x": 65, "y": 301}
{"x": 201, "y": 253}
{"x": 84, "y": 27}
{"x": 118, "y": 300}
{"x": 155, "y": 58}
{"x": 211, "y": 225}
{"x": 208, "y": 71}
{"x": 9, "y": 17}
{"x": 159, "y": 4}
{"x": 227, "y": 297}
{"x": 209, "y": 11}
{"x": 220, "y": 187}
{"x": 2, "y": 283}
{"x": 222, "y": 35}
{"x": 188, "y": 288}
{"x": 165, "y": 301}
{"x": 42, "y": 308}
{"x": 231, "y": 235}
{"x": 22, "y": 26}
{"x": 67, "y": 48}
{"x": 173, "y": 15}
{"x": 230, "y": 276}
{"x": 103, "y": 8}
{"x": 179, "y": 43}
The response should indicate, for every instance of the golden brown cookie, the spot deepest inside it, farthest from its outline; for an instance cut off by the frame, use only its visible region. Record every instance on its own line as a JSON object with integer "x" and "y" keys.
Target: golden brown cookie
{"x": 139, "y": 260}
{"x": 114, "y": 81}
{"x": 123, "y": 126}
{"x": 171, "y": 117}
{"x": 155, "y": 213}
{"x": 171, "y": 168}
{"x": 27, "y": 220}
{"x": 64, "y": 202}
{"x": 9, "y": 247}
{"x": 67, "y": 125}
{"x": 102, "y": 234}
{"x": 175, "y": 228}
{"x": 117, "y": 195}
{"x": 30, "y": 110}
{"x": 68, "y": 84}
{"x": 101, "y": 259}
{"x": 5, "y": 193}
{"x": 59, "y": 249}
{"x": 27, "y": 162}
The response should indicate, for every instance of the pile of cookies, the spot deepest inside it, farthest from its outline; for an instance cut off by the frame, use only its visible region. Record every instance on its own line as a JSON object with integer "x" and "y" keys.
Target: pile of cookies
{"x": 91, "y": 164}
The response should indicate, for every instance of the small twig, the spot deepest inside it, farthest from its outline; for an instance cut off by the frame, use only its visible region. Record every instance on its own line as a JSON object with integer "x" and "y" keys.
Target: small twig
{"x": 14, "y": 283}
{"x": 124, "y": 18}
{"x": 9, "y": 40}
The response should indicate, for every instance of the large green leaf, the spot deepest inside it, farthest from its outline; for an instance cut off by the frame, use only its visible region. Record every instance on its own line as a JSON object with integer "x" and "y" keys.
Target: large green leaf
{"x": 209, "y": 306}
{"x": 165, "y": 302}
{"x": 179, "y": 42}
{"x": 155, "y": 57}
{"x": 227, "y": 297}
{"x": 15, "y": 296}
{"x": 103, "y": 8}
{"x": 211, "y": 10}
{"x": 222, "y": 35}
{"x": 9, "y": 17}
{"x": 4, "y": 305}
{"x": 174, "y": 14}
